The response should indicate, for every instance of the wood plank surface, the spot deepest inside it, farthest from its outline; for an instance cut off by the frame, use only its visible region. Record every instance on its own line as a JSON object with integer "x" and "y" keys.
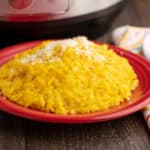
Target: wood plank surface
{"x": 127, "y": 133}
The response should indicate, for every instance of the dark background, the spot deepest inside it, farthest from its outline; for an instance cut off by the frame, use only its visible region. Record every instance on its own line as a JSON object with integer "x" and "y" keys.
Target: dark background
{"x": 128, "y": 133}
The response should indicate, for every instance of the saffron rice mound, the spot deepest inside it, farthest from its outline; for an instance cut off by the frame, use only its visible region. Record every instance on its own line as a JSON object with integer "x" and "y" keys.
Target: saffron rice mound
{"x": 70, "y": 76}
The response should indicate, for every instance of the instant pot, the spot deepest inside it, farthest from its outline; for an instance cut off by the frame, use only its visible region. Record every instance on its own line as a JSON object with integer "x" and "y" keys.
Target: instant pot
{"x": 36, "y": 19}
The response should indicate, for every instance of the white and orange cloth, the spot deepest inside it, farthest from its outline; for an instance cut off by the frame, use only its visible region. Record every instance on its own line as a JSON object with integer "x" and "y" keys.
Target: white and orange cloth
{"x": 137, "y": 40}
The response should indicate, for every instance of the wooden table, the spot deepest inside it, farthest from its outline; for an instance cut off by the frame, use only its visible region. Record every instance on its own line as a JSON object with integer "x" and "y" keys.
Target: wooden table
{"x": 126, "y": 133}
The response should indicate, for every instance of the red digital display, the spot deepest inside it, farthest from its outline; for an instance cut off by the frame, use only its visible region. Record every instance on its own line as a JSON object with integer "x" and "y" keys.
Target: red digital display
{"x": 20, "y": 4}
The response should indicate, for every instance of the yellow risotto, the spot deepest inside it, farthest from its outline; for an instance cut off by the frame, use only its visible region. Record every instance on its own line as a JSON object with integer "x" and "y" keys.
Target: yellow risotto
{"x": 68, "y": 76}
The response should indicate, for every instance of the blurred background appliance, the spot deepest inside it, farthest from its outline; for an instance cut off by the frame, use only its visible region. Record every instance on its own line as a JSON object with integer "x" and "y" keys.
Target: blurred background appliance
{"x": 22, "y": 20}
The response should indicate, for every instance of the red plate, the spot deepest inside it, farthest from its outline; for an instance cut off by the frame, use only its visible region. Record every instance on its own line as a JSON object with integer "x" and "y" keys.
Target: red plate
{"x": 140, "y": 97}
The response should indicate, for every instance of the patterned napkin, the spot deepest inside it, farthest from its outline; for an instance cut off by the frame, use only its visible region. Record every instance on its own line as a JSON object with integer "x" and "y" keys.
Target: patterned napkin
{"x": 136, "y": 40}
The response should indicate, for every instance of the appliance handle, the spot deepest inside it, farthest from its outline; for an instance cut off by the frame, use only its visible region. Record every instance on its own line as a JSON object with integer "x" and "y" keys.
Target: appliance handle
{"x": 63, "y": 11}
